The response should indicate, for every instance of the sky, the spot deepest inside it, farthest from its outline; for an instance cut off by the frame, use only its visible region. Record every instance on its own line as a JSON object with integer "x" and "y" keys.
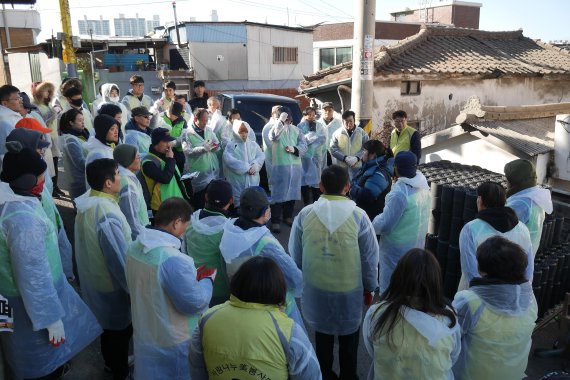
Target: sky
{"x": 543, "y": 20}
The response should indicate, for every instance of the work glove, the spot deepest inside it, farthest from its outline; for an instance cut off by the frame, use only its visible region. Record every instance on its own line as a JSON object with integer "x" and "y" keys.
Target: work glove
{"x": 283, "y": 117}
{"x": 368, "y": 297}
{"x": 203, "y": 272}
{"x": 208, "y": 146}
{"x": 351, "y": 160}
{"x": 56, "y": 333}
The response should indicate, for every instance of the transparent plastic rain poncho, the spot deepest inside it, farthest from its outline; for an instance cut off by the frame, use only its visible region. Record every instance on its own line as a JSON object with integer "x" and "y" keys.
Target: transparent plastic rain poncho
{"x": 202, "y": 241}
{"x": 132, "y": 203}
{"x": 331, "y": 128}
{"x": 65, "y": 249}
{"x": 139, "y": 139}
{"x": 530, "y": 205}
{"x": 198, "y": 159}
{"x": 333, "y": 243}
{"x": 32, "y": 280}
{"x": 403, "y": 223}
{"x": 106, "y": 92}
{"x": 267, "y": 148}
{"x": 167, "y": 302}
{"x": 286, "y": 168}
{"x": 239, "y": 156}
{"x": 475, "y": 233}
{"x": 496, "y": 326}
{"x": 102, "y": 236}
{"x": 242, "y": 336}
{"x": 74, "y": 154}
{"x": 342, "y": 145}
{"x": 424, "y": 346}
{"x": 237, "y": 246}
{"x": 228, "y": 134}
{"x": 96, "y": 150}
{"x": 312, "y": 160}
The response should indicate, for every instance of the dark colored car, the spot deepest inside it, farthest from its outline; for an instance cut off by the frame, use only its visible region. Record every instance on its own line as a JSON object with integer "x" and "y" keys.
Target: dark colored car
{"x": 255, "y": 108}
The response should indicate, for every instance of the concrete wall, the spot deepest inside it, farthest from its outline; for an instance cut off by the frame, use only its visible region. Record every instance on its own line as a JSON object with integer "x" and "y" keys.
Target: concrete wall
{"x": 232, "y": 66}
{"x": 441, "y": 101}
{"x": 20, "y": 71}
{"x": 261, "y": 40}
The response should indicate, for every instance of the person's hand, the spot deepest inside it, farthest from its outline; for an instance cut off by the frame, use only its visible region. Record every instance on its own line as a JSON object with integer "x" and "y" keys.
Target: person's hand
{"x": 290, "y": 149}
{"x": 203, "y": 272}
{"x": 251, "y": 171}
{"x": 368, "y": 297}
{"x": 208, "y": 146}
{"x": 56, "y": 333}
{"x": 283, "y": 117}
{"x": 169, "y": 152}
{"x": 351, "y": 161}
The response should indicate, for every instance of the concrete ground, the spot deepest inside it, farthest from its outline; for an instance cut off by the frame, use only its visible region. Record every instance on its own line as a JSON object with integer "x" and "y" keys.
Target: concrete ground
{"x": 89, "y": 363}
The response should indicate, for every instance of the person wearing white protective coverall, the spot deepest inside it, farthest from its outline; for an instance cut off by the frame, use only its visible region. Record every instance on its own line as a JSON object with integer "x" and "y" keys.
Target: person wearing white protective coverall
{"x": 492, "y": 219}
{"x": 404, "y": 220}
{"x": 346, "y": 144}
{"x": 267, "y": 150}
{"x": 51, "y": 322}
{"x": 529, "y": 201}
{"x": 102, "y": 236}
{"x": 288, "y": 145}
{"x": 249, "y": 336}
{"x": 497, "y": 315}
{"x": 137, "y": 130}
{"x": 242, "y": 159}
{"x": 228, "y": 131}
{"x": 73, "y": 137}
{"x": 312, "y": 161}
{"x": 35, "y": 140}
{"x": 106, "y": 138}
{"x": 247, "y": 236}
{"x": 424, "y": 340}
{"x": 200, "y": 147}
{"x": 168, "y": 295}
{"x": 135, "y": 96}
{"x": 131, "y": 197}
{"x": 332, "y": 124}
{"x": 204, "y": 233}
{"x": 112, "y": 95}
{"x": 333, "y": 242}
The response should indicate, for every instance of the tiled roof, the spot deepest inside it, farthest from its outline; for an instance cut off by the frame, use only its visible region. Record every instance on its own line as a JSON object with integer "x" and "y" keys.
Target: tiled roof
{"x": 531, "y": 136}
{"x": 444, "y": 51}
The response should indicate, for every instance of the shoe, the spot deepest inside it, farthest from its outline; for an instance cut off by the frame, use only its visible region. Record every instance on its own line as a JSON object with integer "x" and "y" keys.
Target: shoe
{"x": 275, "y": 228}
{"x": 57, "y": 191}
{"x": 289, "y": 221}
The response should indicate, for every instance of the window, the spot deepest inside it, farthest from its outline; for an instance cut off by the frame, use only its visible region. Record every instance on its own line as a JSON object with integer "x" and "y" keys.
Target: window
{"x": 410, "y": 88}
{"x": 285, "y": 54}
{"x": 334, "y": 56}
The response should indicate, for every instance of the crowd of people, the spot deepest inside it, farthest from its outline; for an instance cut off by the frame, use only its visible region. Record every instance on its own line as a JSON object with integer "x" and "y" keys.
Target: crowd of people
{"x": 174, "y": 247}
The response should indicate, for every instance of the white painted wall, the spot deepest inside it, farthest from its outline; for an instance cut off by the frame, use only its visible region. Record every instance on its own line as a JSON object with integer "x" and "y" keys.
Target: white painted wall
{"x": 437, "y": 112}
{"x": 23, "y": 18}
{"x": 260, "y": 42}
{"x": 21, "y": 74}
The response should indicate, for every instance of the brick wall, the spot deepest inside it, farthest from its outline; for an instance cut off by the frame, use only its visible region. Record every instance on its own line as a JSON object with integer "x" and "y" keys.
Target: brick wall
{"x": 288, "y": 92}
{"x": 460, "y": 15}
{"x": 467, "y": 17}
{"x": 384, "y": 31}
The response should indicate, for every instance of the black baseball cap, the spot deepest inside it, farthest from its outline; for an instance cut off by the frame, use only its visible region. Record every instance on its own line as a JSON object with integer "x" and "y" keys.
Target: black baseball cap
{"x": 161, "y": 134}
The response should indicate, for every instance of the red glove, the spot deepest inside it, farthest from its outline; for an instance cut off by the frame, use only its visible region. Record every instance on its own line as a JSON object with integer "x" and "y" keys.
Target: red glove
{"x": 203, "y": 272}
{"x": 368, "y": 296}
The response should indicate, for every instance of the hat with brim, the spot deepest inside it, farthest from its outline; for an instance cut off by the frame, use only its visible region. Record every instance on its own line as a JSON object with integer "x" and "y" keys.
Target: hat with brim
{"x": 33, "y": 124}
{"x": 161, "y": 134}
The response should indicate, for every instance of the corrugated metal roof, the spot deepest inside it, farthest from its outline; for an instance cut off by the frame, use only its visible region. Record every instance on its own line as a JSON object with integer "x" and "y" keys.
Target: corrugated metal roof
{"x": 531, "y": 136}
{"x": 225, "y": 33}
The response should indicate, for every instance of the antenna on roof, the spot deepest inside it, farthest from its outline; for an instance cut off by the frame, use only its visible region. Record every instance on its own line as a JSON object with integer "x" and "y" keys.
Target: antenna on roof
{"x": 424, "y": 5}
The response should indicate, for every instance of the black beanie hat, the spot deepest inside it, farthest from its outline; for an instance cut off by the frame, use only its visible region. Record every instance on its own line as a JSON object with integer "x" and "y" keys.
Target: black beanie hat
{"x": 102, "y": 124}
{"x": 20, "y": 161}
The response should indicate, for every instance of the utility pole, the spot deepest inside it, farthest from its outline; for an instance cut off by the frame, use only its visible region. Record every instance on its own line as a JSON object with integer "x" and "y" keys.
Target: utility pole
{"x": 68, "y": 52}
{"x": 363, "y": 63}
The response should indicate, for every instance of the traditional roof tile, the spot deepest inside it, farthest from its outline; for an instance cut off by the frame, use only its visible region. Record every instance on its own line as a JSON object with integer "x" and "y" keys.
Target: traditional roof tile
{"x": 445, "y": 51}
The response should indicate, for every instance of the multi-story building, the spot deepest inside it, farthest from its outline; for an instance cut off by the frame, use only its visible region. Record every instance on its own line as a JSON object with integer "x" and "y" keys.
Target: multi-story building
{"x": 129, "y": 27}
{"x": 98, "y": 27}
{"x": 151, "y": 24}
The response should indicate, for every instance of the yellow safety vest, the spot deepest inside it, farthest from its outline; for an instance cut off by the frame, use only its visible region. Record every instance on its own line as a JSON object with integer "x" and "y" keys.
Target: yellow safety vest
{"x": 242, "y": 340}
{"x": 401, "y": 142}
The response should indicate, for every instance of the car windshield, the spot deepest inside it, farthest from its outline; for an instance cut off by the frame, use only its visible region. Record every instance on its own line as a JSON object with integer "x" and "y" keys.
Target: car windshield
{"x": 258, "y": 112}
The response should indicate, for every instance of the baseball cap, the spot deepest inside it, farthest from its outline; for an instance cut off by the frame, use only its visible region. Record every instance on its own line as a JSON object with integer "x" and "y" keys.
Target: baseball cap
{"x": 140, "y": 111}
{"x": 219, "y": 193}
{"x": 32, "y": 124}
{"x": 326, "y": 105}
{"x": 26, "y": 102}
{"x": 253, "y": 202}
{"x": 160, "y": 134}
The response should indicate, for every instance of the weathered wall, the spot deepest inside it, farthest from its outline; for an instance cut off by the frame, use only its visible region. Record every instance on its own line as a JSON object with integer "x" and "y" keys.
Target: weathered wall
{"x": 441, "y": 101}
{"x": 20, "y": 71}
{"x": 204, "y": 58}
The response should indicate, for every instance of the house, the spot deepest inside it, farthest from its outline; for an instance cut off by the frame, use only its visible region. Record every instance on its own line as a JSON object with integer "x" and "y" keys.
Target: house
{"x": 492, "y": 136}
{"x": 242, "y": 56}
{"x": 433, "y": 73}
{"x": 332, "y": 43}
